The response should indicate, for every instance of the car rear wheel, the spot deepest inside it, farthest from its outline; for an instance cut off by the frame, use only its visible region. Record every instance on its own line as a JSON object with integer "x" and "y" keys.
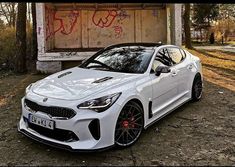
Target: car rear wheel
{"x": 129, "y": 124}
{"x": 197, "y": 88}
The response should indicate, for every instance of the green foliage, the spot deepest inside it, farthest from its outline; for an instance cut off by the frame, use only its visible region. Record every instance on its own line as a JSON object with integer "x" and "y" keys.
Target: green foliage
{"x": 204, "y": 14}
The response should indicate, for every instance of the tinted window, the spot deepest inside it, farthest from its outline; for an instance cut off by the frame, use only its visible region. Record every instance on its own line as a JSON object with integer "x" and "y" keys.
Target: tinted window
{"x": 123, "y": 59}
{"x": 163, "y": 57}
{"x": 175, "y": 55}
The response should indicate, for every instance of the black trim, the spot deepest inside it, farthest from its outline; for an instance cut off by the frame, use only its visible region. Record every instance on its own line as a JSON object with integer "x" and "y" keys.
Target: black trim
{"x": 102, "y": 79}
{"x": 145, "y": 44}
{"x": 64, "y": 74}
{"x": 150, "y": 110}
{"x": 94, "y": 128}
{"x": 60, "y": 146}
{"x": 52, "y": 111}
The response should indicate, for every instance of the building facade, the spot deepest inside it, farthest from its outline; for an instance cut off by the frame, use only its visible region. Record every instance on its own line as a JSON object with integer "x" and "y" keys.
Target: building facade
{"x": 75, "y": 31}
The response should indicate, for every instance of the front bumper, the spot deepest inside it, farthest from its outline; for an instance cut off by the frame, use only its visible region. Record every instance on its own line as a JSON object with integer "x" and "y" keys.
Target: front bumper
{"x": 79, "y": 125}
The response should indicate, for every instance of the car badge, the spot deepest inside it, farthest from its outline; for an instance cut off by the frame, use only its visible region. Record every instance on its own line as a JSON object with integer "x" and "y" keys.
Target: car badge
{"x": 45, "y": 99}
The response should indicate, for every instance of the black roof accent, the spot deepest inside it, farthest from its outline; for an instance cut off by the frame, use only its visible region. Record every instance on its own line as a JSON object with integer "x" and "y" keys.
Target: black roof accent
{"x": 144, "y": 44}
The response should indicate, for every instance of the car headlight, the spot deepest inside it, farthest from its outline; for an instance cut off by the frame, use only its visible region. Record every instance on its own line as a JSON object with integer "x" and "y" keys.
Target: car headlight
{"x": 28, "y": 88}
{"x": 100, "y": 104}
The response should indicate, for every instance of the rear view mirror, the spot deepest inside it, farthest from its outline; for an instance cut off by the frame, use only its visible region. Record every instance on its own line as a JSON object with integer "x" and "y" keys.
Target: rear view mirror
{"x": 162, "y": 69}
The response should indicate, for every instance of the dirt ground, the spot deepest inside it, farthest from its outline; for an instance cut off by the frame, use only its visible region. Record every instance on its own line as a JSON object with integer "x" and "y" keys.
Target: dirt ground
{"x": 201, "y": 133}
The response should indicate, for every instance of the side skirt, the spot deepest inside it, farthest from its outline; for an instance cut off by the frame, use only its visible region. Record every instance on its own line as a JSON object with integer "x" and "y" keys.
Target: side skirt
{"x": 160, "y": 117}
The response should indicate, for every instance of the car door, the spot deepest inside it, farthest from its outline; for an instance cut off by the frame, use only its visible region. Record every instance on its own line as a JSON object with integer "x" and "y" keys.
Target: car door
{"x": 164, "y": 86}
{"x": 179, "y": 71}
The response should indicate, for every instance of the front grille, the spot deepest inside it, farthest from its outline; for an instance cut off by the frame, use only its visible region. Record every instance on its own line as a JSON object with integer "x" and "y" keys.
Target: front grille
{"x": 57, "y": 134}
{"x": 52, "y": 111}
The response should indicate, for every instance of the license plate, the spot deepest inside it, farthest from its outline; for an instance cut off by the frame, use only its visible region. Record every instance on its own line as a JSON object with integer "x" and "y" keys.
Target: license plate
{"x": 46, "y": 123}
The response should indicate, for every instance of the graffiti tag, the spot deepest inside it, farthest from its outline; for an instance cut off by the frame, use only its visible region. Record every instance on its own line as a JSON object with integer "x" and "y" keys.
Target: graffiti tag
{"x": 104, "y": 20}
{"x": 118, "y": 31}
{"x": 122, "y": 15}
{"x": 63, "y": 28}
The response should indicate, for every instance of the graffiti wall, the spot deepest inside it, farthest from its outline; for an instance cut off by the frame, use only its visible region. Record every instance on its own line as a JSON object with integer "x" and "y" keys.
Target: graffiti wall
{"x": 99, "y": 28}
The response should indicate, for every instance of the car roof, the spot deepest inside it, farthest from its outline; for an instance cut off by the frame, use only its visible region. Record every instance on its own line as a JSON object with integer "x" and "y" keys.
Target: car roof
{"x": 143, "y": 44}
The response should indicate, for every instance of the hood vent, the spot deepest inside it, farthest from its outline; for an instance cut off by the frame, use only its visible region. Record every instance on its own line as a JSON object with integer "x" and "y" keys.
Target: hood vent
{"x": 102, "y": 79}
{"x": 66, "y": 73}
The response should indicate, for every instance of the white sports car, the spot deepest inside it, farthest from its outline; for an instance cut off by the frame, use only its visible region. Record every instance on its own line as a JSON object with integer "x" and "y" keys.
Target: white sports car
{"x": 110, "y": 98}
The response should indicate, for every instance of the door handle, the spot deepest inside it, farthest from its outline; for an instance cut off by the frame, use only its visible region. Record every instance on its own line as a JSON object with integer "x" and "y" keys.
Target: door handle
{"x": 174, "y": 73}
{"x": 190, "y": 66}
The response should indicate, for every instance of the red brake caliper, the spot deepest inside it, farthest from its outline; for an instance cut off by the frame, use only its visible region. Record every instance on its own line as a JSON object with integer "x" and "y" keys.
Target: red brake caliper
{"x": 125, "y": 124}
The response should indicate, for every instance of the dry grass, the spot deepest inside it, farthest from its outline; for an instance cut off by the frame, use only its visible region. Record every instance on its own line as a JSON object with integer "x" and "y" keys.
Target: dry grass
{"x": 216, "y": 62}
{"x": 222, "y": 55}
{"x": 216, "y": 69}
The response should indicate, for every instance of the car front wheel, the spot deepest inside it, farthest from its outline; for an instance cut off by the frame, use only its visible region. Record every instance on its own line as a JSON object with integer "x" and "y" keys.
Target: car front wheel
{"x": 129, "y": 124}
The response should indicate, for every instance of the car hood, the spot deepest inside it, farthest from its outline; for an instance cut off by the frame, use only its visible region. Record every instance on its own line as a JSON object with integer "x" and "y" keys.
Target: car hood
{"x": 77, "y": 83}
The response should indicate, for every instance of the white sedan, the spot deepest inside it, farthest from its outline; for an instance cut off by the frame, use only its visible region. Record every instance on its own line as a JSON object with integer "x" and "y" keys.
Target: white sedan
{"x": 110, "y": 98}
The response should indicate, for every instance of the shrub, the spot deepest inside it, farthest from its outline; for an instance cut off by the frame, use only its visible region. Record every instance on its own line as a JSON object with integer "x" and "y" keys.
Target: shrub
{"x": 8, "y": 49}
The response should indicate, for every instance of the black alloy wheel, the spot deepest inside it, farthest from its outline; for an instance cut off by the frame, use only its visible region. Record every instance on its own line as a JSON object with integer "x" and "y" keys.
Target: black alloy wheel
{"x": 129, "y": 124}
{"x": 197, "y": 88}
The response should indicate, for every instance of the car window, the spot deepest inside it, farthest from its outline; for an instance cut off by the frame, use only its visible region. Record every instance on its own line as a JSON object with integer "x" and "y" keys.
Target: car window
{"x": 175, "y": 55}
{"x": 121, "y": 59}
{"x": 163, "y": 57}
{"x": 155, "y": 64}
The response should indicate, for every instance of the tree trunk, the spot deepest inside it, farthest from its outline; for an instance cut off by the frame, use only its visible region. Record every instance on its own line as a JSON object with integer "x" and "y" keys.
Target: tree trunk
{"x": 20, "y": 58}
{"x": 188, "y": 43}
{"x": 34, "y": 33}
{"x": 13, "y": 15}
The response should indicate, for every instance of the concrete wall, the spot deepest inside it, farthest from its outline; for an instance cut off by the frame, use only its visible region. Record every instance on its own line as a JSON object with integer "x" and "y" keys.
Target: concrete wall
{"x": 63, "y": 32}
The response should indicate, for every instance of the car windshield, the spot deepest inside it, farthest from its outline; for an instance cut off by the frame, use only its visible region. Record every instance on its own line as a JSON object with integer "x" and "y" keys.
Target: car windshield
{"x": 131, "y": 59}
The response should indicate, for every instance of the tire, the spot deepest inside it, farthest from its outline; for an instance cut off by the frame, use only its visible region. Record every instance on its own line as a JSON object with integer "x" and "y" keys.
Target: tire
{"x": 129, "y": 125}
{"x": 197, "y": 88}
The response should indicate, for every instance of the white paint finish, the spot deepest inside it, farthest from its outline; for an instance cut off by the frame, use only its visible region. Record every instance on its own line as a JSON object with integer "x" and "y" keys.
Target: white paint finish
{"x": 176, "y": 24}
{"x": 168, "y": 29}
{"x": 138, "y": 26}
{"x": 49, "y": 26}
{"x": 60, "y": 56}
{"x": 85, "y": 29}
{"x": 49, "y": 67}
{"x": 40, "y": 16}
{"x": 79, "y": 83}
{"x": 77, "y": 87}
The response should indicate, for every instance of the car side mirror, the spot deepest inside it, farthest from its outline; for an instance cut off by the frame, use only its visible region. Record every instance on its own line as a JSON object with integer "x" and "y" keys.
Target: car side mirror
{"x": 162, "y": 69}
